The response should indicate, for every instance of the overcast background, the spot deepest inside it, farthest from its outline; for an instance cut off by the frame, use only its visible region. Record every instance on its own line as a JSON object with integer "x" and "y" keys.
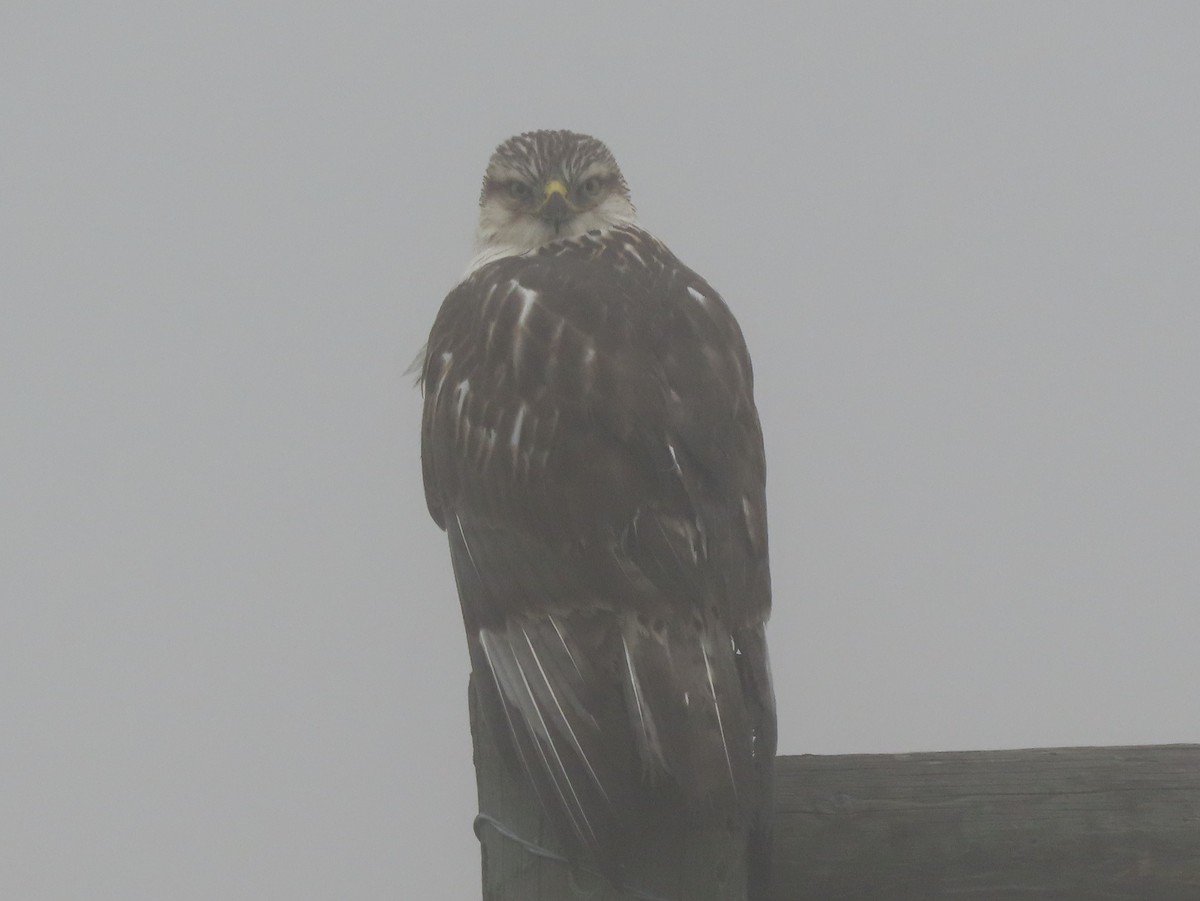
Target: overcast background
{"x": 963, "y": 241}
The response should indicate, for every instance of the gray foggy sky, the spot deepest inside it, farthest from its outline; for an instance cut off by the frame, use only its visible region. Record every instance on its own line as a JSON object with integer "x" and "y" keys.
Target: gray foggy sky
{"x": 963, "y": 241}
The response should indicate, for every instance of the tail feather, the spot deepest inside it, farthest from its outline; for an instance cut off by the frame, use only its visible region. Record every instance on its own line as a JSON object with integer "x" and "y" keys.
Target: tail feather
{"x": 691, "y": 721}
{"x": 544, "y": 712}
{"x": 641, "y": 737}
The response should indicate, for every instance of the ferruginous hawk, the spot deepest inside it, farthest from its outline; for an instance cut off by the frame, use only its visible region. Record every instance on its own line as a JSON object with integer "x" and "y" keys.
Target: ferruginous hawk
{"x": 591, "y": 446}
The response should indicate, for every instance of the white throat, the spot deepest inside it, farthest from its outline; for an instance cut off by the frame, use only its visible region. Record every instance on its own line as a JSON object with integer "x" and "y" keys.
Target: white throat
{"x": 502, "y": 234}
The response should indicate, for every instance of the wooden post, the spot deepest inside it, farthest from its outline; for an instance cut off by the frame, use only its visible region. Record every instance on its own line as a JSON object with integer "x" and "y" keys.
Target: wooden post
{"x": 511, "y": 872}
{"x": 1065, "y": 824}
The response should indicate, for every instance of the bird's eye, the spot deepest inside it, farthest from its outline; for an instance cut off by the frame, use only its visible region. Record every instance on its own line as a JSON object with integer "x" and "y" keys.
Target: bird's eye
{"x": 591, "y": 187}
{"x": 518, "y": 190}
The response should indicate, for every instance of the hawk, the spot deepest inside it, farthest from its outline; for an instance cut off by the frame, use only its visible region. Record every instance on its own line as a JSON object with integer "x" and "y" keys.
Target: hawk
{"x": 591, "y": 447}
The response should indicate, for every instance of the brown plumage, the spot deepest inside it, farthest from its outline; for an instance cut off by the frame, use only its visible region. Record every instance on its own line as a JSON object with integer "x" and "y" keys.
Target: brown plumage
{"x": 591, "y": 446}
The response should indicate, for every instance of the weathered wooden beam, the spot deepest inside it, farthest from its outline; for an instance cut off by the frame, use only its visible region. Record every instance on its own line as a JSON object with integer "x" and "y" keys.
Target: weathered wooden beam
{"x": 1068, "y": 824}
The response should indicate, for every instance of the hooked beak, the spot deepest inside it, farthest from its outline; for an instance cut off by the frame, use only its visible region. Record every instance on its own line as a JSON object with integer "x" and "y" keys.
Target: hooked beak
{"x": 555, "y": 208}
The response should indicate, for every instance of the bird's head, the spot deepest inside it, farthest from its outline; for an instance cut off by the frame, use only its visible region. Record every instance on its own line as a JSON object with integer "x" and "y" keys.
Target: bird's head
{"x": 544, "y": 185}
